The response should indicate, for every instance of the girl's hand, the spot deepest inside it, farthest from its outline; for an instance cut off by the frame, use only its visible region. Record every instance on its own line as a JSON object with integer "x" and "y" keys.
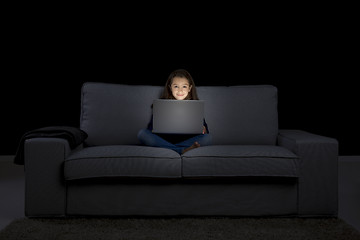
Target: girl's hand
{"x": 204, "y": 130}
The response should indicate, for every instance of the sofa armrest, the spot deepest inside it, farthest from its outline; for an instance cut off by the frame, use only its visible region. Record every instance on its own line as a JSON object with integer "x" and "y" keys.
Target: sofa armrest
{"x": 45, "y": 192}
{"x": 318, "y": 171}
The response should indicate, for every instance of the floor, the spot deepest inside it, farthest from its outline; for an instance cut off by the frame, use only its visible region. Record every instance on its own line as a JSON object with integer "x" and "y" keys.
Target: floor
{"x": 12, "y": 190}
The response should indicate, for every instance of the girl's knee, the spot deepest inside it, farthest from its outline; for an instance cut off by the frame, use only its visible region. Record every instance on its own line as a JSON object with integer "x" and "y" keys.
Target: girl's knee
{"x": 142, "y": 134}
{"x": 206, "y": 140}
{"x": 146, "y": 137}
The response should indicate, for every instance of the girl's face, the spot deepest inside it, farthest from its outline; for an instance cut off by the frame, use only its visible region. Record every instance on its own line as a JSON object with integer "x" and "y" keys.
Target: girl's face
{"x": 180, "y": 88}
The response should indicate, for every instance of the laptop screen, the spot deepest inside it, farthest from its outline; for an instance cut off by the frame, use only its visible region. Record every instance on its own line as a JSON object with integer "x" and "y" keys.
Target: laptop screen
{"x": 178, "y": 116}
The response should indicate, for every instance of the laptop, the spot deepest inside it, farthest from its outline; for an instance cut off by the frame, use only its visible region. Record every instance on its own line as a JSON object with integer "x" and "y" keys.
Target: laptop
{"x": 178, "y": 116}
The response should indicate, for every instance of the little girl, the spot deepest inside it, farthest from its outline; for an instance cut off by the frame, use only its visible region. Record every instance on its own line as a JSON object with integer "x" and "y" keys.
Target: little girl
{"x": 180, "y": 86}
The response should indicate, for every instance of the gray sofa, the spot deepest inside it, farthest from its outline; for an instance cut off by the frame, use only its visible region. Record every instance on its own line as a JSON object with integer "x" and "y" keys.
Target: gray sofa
{"x": 252, "y": 169}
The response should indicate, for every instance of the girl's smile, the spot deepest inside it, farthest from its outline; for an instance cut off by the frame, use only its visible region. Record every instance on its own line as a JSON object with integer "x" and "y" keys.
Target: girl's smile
{"x": 180, "y": 88}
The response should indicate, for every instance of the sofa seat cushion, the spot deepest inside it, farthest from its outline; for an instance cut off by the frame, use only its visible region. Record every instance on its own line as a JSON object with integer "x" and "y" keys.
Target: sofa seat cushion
{"x": 122, "y": 161}
{"x": 240, "y": 161}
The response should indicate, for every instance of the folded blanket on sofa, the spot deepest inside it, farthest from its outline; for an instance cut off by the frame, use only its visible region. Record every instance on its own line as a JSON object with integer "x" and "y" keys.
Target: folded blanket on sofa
{"x": 75, "y": 137}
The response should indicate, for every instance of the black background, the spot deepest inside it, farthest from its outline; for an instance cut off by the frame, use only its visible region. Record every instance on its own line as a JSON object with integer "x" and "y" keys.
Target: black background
{"x": 311, "y": 59}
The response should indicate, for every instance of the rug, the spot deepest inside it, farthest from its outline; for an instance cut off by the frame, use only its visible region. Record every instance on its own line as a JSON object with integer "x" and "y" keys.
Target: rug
{"x": 179, "y": 228}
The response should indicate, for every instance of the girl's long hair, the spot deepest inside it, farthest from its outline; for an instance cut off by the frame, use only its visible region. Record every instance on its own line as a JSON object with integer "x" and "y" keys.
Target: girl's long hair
{"x": 182, "y": 73}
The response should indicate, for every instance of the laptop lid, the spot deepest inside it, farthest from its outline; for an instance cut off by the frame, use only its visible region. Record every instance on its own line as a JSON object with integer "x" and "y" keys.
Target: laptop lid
{"x": 178, "y": 116}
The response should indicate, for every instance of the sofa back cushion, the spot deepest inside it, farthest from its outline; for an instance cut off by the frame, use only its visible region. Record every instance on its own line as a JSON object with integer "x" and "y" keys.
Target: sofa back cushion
{"x": 112, "y": 114}
{"x": 241, "y": 114}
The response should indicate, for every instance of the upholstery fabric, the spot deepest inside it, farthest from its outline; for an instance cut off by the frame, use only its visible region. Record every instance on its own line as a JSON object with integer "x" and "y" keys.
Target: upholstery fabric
{"x": 73, "y": 135}
{"x": 318, "y": 161}
{"x": 45, "y": 191}
{"x": 114, "y": 113}
{"x": 251, "y": 168}
{"x": 240, "y": 161}
{"x": 168, "y": 199}
{"x": 241, "y": 114}
{"x": 123, "y": 161}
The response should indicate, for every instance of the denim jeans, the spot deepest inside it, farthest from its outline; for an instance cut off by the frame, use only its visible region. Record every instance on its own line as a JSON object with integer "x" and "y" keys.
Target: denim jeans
{"x": 148, "y": 138}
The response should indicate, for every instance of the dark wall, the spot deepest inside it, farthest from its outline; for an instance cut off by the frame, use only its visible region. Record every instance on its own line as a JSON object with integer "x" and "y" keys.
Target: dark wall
{"x": 46, "y": 66}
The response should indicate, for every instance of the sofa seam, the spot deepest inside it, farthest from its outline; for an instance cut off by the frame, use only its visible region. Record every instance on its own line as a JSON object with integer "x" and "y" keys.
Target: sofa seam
{"x": 296, "y": 157}
{"x": 135, "y": 157}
